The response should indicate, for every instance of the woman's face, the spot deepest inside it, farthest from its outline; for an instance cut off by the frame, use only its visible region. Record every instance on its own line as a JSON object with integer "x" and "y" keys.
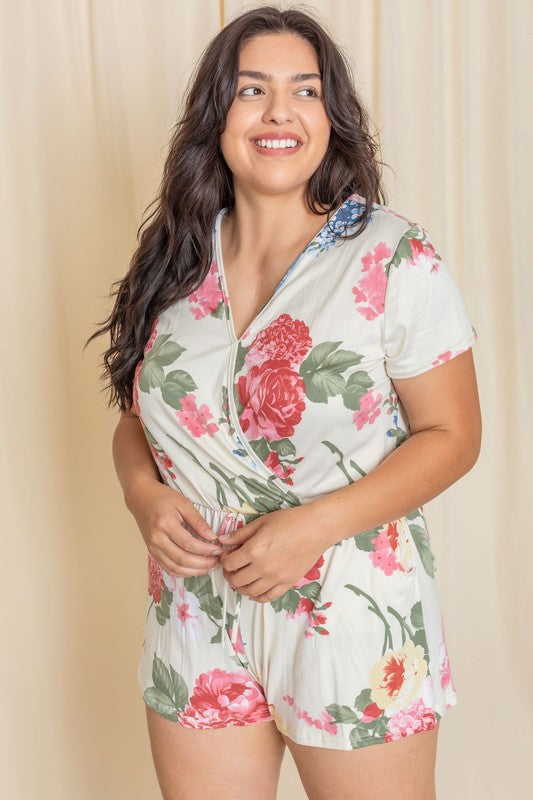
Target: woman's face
{"x": 282, "y": 101}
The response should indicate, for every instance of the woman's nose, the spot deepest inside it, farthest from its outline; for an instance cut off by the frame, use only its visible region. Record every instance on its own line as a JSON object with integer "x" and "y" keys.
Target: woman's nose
{"x": 278, "y": 108}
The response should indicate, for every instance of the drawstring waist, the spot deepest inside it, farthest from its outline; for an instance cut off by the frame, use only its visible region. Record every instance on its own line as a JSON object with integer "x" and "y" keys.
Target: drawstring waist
{"x": 232, "y": 520}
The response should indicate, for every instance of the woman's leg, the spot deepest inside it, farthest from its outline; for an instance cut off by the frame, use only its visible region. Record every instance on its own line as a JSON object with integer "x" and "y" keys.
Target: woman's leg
{"x": 240, "y": 761}
{"x": 403, "y": 769}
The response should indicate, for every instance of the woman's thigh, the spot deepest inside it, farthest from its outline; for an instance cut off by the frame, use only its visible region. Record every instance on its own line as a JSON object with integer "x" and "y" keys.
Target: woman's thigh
{"x": 239, "y": 761}
{"x": 403, "y": 769}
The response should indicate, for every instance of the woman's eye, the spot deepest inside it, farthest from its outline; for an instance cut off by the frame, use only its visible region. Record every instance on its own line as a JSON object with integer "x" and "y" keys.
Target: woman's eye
{"x": 250, "y": 89}
{"x": 314, "y": 91}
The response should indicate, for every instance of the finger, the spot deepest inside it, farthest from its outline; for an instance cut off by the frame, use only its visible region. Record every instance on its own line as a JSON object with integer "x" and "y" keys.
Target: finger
{"x": 244, "y": 577}
{"x": 184, "y": 558}
{"x": 235, "y": 560}
{"x": 274, "y": 593}
{"x": 178, "y": 570}
{"x": 183, "y": 539}
{"x": 239, "y": 535}
{"x": 197, "y": 524}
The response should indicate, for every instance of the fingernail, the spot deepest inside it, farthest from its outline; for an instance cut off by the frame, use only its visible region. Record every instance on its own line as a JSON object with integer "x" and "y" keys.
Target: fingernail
{"x": 211, "y": 534}
{"x": 217, "y": 552}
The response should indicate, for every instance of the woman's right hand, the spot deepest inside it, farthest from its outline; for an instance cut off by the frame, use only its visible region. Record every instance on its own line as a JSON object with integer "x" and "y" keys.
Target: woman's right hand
{"x": 160, "y": 513}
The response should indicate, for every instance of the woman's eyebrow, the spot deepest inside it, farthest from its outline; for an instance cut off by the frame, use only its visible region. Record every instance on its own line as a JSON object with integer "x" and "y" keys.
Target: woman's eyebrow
{"x": 263, "y": 76}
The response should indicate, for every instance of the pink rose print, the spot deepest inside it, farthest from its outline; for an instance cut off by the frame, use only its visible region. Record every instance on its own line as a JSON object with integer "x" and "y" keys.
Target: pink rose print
{"x": 416, "y": 717}
{"x": 423, "y": 255}
{"x": 323, "y": 723}
{"x": 273, "y": 399}
{"x": 224, "y": 698}
{"x": 384, "y": 554}
{"x": 195, "y": 418}
{"x": 285, "y": 338}
{"x": 370, "y": 289}
{"x": 155, "y": 579}
{"x": 281, "y": 470}
{"x": 206, "y": 298}
{"x": 369, "y": 409}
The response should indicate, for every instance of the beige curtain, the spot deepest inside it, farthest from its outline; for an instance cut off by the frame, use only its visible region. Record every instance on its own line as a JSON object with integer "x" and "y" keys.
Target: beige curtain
{"x": 90, "y": 91}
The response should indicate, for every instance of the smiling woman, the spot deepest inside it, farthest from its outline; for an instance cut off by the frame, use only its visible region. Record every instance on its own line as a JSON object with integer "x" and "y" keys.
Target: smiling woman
{"x": 298, "y": 357}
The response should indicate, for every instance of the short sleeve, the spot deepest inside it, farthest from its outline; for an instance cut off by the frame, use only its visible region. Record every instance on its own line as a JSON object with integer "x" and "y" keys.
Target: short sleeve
{"x": 425, "y": 319}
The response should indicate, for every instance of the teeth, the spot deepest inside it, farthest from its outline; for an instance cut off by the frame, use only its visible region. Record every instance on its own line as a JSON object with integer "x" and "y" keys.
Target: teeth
{"x": 277, "y": 144}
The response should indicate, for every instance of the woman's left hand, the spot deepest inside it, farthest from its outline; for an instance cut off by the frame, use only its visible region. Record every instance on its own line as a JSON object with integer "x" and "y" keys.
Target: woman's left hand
{"x": 273, "y": 552}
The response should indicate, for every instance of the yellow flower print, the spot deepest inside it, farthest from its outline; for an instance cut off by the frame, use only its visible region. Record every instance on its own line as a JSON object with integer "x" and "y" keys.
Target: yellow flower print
{"x": 397, "y": 677}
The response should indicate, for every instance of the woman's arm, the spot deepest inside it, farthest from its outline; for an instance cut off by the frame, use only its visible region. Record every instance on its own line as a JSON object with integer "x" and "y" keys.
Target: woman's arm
{"x": 442, "y": 406}
{"x": 134, "y": 463}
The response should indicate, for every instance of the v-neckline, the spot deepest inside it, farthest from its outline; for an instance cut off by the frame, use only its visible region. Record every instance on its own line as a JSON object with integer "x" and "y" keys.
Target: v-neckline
{"x": 220, "y": 264}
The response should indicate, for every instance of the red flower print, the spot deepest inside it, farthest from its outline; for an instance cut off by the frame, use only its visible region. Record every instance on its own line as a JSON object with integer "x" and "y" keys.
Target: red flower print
{"x": 312, "y": 574}
{"x": 370, "y": 712}
{"x": 206, "y": 298}
{"x": 284, "y": 339}
{"x": 224, "y": 698}
{"x": 281, "y": 470}
{"x": 195, "y": 418}
{"x": 423, "y": 255}
{"x": 369, "y": 409}
{"x": 369, "y": 293}
{"x": 155, "y": 579}
{"x": 273, "y": 399}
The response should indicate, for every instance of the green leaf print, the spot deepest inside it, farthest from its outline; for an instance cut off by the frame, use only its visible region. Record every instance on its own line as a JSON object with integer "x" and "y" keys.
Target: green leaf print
{"x": 162, "y": 609}
{"x": 239, "y": 358}
{"x": 363, "y": 699}
{"x": 202, "y": 588}
{"x": 287, "y": 602}
{"x": 151, "y": 375}
{"x": 342, "y": 714}
{"x": 169, "y": 693}
{"x": 363, "y": 541}
{"x": 177, "y": 384}
{"x": 161, "y": 355}
{"x": 404, "y": 248}
{"x": 321, "y": 371}
{"x": 357, "y": 385}
{"x": 423, "y": 546}
{"x": 160, "y": 703}
{"x": 161, "y": 678}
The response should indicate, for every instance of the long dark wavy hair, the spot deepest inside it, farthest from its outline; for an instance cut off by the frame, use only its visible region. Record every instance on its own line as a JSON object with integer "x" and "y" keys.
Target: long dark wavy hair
{"x": 174, "y": 253}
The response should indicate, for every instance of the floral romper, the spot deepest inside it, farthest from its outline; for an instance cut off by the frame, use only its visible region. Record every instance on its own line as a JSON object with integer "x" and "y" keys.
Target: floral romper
{"x": 302, "y": 404}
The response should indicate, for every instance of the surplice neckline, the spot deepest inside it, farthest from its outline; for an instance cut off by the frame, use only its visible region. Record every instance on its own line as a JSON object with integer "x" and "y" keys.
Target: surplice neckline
{"x": 288, "y": 273}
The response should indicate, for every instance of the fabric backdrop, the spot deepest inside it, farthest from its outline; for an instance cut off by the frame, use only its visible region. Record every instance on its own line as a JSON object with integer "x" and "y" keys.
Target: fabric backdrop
{"x": 90, "y": 92}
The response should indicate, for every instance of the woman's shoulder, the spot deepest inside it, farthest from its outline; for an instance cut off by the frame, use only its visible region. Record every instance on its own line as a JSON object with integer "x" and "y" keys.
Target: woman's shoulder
{"x": 385, "y": 222}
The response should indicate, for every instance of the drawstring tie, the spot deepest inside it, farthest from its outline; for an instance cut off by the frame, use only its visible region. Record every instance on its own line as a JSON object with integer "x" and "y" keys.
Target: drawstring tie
{"x": 231, "y": 522}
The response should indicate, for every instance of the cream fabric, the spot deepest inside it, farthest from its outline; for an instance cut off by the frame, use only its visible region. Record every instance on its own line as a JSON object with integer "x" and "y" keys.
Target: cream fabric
{"x": 90, "y": 91}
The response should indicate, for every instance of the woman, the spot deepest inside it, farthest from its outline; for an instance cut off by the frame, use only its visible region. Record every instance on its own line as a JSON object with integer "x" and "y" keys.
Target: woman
{"x": 292, "y": 361}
